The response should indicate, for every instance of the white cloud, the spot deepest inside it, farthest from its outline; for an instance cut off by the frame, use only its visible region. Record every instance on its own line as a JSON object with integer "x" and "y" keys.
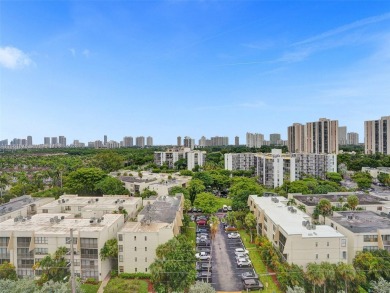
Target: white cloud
{"x": 13, "y": 58}
{"x": 86, "y": 53}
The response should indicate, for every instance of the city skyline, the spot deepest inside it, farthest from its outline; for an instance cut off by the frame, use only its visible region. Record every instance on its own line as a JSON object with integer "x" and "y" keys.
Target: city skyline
{"x": 190, "y": 68}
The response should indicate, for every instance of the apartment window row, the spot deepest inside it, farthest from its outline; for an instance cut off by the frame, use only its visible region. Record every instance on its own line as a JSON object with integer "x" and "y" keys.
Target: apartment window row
{"x": 370, "y": 248}
{"x": 23, "y": 241}
{"x": 327, "y": 244}
{"x": 145, "y": 238}
{"x": 89, "y": 242}
{"x": 136, "y": 270}
{"x": 4, "y": 241}
{"x": 68, "y": 241}
{"x": 41, "y": 240}
{"x": 41, "y": 250}
{"x": 370, "y": 238}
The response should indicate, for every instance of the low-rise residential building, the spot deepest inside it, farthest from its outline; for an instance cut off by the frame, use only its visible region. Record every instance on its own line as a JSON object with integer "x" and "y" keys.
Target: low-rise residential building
{"x": 171, "y": 156}
{"x": 239, "y": 161}
{"x": 157, "y": 223}
{"x": 93, "y": 206}
{"x": 161, "y": 183}
{"x": 293, "y": 235}
{"x": 365, "y": 230}
{"x": 24, "y": 241}
{"x": 339, "y": 199}
{"x": 22, "y": 206}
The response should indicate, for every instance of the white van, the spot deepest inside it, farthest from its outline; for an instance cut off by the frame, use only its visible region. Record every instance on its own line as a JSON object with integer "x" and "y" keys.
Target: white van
{"x": 225, "y": 208}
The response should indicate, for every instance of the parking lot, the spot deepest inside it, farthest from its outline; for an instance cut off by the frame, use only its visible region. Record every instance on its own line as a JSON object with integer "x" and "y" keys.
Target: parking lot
{"x": 222, "y": 270}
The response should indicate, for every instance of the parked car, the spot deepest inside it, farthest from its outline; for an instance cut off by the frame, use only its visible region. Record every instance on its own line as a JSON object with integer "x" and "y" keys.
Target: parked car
{"x": 201, "y": 222}
{"x": 249, "y": 275}
{"x": 254, "y": 284}
{"x": 229, "y": 208}
{"x": 203, "y": 249}
{"x": 203, "y": 255}
{"x": 233, "y": 235}
{"x": 202, "y": 230}
{"x": 194, "y": 209}
{"x": 203, "y": 242}
{"x": 230, "y": 228}
{"x": 244, "y": 262}
{"x": 204, "y": 276}
{"x": 225, "y": 208}
{"x": 241, "y": 255}
{"x": 203, "y": 266}
{"x": 241, "y": 250}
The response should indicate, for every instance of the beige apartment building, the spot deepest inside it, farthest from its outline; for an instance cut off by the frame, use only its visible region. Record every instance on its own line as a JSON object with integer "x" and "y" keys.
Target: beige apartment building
{"x": 24, "y": 241}
{"x": 365, "y": 230}
{"x": 93, "y": 206}
{"x": 171, "y": 156}
{"x": 239, "y": 161}
{"x": 22, "y": 206}
{"x": 377, "y": 136}
{"x": 320, "y": 137}
{"x": 158, "y": 222}
{"x": 293, "y": 235}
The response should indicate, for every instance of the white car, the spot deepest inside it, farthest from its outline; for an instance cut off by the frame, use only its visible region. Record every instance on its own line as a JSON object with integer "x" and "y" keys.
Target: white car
{"x": 238, "y": 250}
{"x": 241, "y": 255}
{"x": 203, "y": 256}
{"x": 244, "y": 262}
{"x": 233, "y": 235}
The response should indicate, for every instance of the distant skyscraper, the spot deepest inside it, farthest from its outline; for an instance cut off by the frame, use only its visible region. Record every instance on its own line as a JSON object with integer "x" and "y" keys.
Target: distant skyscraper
{"x": 4, "y": 142}
{"x": 352, "y": 138}
{"x": 189, "y": 142}
{"x": 377, "y": 136}
{"x": 98, "y": 144}
{"x": 149, "y": 141}
{"x": 274, "y": 138}
{"x": 203, "y": 141}
{"x": 140, "y": 141}
{"x": 254, "y": 140}
{"x": 320, "y": 137}
{"x": 105, "y": 139}
{"x": 54, "y": 140}
{"x": 236, "y": 141}
{"x": 46, "y": 140}
{"x": 179, "y": 141}
{"x": 219, "y": 140}
{"x": 342, "y": 135}
{"x": 128, "y": 141}
{"x": 29, "y": 140}
{"x": 62, "y": 141}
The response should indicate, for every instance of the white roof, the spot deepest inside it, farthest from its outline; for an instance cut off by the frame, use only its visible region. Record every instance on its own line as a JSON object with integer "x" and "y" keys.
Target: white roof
{"x": 290, "y": 222}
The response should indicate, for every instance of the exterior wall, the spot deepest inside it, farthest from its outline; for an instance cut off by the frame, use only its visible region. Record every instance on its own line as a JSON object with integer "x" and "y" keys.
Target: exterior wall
{"x": 296, "y": 138}
{"x": 195, "y": 158}
{"x": 239, "y": 161}
{"x": 377, "y": 136}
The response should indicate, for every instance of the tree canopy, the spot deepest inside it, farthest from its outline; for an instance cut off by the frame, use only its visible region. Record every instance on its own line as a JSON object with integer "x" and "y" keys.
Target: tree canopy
{"x": 207, "y": 202}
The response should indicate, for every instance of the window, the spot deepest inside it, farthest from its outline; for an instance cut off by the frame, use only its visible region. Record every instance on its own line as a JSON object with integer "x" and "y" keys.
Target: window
{"x": 120, "y": 248}
{"x": 327, "y": 243}
{"x": 120, "y": 237}
{"x": 328, "y": 255}
{"x": 146, "y": 249}
{"x": 67, "y": 208}
{"x": 370, "y": 248}
{"x": 146, "y": 270}
{"x": 135, "y": 238}
{"x": 135, "y": 259}
{"x": 79, "y": 208}
{"x": 146, "y": 238}
{"x": 45, "y": 211}
{"x": 370, "y": 238}
{"x": 121, "y": 269}
{"x": 120, "y": 258}
{"x": 316, "y": 244}
{"x": 40, "y": 250}
{"x": 344, "y": 255}
{"x": 41, "y": 240}
{"x": 135, "y": 248}
{"x": 89, "y": 243}
{"x": 146, "y": 259}
{"x": 68, "y": 240}
{"x": 316, "y": 255}
{"x": 135, "y": 270}
{"x": 343, "y": 242}
{"x": 379, "y": 208}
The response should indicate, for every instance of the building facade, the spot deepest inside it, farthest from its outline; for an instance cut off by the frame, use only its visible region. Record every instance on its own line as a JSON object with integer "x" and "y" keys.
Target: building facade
{"x": 352, "y": 138}
{"x": 254, "y": 140}
{"x": 239, "y": 161}
{"x": 377, "y": 136}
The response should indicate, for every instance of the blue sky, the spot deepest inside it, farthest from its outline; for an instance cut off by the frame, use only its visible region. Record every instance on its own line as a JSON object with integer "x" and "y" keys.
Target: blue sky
{"x": 166, "y": 68}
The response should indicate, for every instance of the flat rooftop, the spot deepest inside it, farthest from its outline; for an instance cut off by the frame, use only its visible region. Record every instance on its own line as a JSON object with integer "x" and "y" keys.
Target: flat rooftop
{"x": 94, "y": 202}
{"x": 364, "y": 199}
{"x": 292, "y": 223}
{"x": 42, "y": 224}
{"x": 361, "y": 221}
{"x": 162, "y": 210}
{"x": 143, "y": 227}
{"x": 17, "y": 203}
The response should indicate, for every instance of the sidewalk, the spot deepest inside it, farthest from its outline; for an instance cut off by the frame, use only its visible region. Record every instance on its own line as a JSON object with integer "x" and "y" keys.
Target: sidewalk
{"x": 104, "y": 283}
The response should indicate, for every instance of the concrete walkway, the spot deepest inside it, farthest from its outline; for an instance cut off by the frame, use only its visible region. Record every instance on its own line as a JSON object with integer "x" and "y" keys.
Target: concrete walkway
{"x": 104, "y": 283}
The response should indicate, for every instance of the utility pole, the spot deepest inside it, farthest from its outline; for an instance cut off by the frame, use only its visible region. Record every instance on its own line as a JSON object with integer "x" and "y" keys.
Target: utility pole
{"x": 72, "y": 278}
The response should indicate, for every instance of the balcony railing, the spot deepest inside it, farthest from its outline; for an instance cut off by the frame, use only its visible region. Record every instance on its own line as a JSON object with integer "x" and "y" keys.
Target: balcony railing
{"x": 90, "y": 256}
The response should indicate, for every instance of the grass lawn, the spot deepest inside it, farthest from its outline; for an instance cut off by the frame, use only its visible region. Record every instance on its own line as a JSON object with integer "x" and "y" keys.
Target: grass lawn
{"x": 258, "y": 264}
{"x": 89, "y": 288}
{"x": 190, "y": 233}
{"x": 118, "y": 285}
{"x": 223, "y": 201}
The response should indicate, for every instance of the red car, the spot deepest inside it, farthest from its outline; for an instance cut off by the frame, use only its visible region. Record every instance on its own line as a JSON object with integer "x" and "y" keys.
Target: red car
{"x": 201, "y": 222}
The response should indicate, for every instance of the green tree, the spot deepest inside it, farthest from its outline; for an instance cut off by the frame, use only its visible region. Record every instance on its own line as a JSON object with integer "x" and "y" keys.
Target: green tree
{"x": 363, "y": 179}
{"x": 110, "y": 251}
{"x": 8, "y": 271}
{"x": 214, "y": 225}
{"x": 329, "y": 273}
{"x": 181, "y": 164}
{"x": 380, "y": 286}
{"x": 147, "y": 193}
{"x": 205, "y": 177}
{"x": 178, "y": 189}
{"x": 83, "y": 181}
{"x": 201, "y": 287}
{"x": 296, "y": 289}
{"x": 334, "y": 176}
{"x": 173, "y": 269}
{"x": 195, "y": 186}
{"x": 324, "y": 207}
{"x": 54, "y": 267}
{"x": 353, "y": 201}
{"x": 345, "y": 273}
{"x": 250, "y": 223}
{"x": 240, "y": 190}
{"x": 108, "y": 161}
{"x": 315, "y": 275}
{"x": 111, "y": 185}
{"x": 384, "y": 178}
{"x": 207, "y": 202}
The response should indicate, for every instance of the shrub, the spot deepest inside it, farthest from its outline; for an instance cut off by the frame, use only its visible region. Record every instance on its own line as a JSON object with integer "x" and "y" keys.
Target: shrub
{"x": 134, "y": 276}
{"x": 91, "y": 281}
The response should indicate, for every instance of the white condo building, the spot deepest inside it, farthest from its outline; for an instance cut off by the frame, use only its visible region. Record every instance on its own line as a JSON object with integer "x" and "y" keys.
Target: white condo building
{"x": 291, "y": 232}
{"x": 239, "y": 161}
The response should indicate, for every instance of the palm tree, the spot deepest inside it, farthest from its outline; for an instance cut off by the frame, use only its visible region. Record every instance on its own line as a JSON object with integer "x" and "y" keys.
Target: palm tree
{"x": 214, "y": 224}
{"x": 347, "y": 273}
{"x": 329, "y": 273}
{"x": 315, "y": 275}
